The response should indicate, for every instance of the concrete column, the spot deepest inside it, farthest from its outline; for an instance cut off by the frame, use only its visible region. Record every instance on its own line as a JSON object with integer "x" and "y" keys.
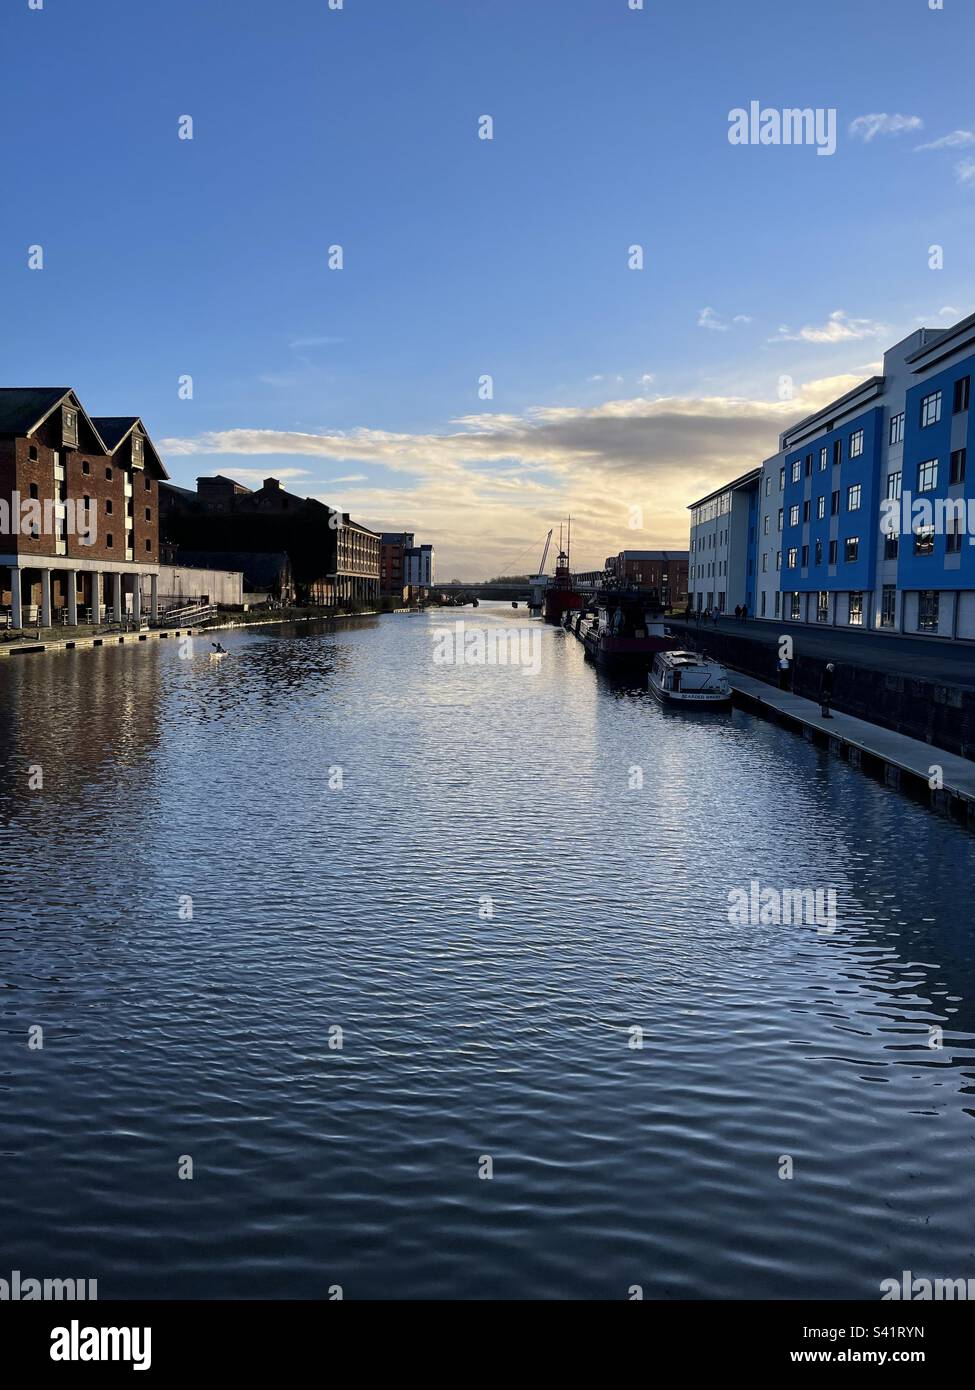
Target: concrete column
{"x": 136, "y": 598}
{"x": 71, "y": 579}
{"x": 45, "y": 597}
{"x": 96, "y": 596}
{"x": 154, "y": 598}
{"x": 16, "y": 605}
{"x": 117, "y": 597}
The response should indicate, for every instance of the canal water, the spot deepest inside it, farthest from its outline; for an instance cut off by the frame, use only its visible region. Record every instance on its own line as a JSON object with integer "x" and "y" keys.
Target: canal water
{"x": 497, "y": 885}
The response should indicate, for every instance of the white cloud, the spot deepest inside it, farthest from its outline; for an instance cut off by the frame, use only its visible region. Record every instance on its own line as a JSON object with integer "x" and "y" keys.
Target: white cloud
{"x": 707, "y": 318}
{"x": 954, "y": 141}
{"x": 839, "y": 328}
{"x": 487, "y": 485}
{"x": 647, "y": 379}
{"x": 965, "y": 171}
{"x": 879, "y": 123}
{"x": 948, "y": 311}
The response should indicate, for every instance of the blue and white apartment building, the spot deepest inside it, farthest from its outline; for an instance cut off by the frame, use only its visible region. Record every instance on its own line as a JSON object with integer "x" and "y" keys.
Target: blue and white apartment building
{"x": 865, "y": 517}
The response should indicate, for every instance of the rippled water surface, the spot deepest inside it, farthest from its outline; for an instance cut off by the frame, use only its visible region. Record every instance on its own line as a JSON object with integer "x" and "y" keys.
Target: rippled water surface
{"x": 464, "y": 1035}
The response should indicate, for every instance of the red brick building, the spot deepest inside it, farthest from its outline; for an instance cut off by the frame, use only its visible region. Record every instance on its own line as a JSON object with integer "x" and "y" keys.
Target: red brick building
{"x": 393, "y": 546}
{"x": 79, "y": 511}
{"x": 664, "y": 571}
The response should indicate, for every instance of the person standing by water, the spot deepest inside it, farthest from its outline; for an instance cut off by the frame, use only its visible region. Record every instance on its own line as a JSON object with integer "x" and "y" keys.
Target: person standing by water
{"x": 826, "y": 691}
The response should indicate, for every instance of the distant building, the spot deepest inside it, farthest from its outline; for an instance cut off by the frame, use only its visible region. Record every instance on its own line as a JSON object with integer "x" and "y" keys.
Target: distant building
{"x": 419, "y": 567}
{"x": 332, "y": 558}
{"x": 393, "y": 546}
{"x": 79, "y": 512}
{"x": 663, "y": 571}
{"x": 723, "y": 527}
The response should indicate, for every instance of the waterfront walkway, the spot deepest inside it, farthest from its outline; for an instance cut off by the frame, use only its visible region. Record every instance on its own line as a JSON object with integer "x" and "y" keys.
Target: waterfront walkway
{"x": 895, "y": 753}
{"x": 928, "y": 658}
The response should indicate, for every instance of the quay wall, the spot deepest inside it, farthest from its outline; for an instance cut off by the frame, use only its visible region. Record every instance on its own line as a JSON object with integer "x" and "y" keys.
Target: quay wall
{"x": 942, "y": 715}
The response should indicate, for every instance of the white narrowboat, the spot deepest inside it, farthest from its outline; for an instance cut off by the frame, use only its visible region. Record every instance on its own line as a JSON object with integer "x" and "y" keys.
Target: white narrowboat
{"x": 685, "y": 678}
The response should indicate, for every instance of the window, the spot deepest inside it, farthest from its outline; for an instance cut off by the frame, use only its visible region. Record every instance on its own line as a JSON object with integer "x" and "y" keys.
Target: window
{"x": 851, "y": 549}
{"x": 780, "y": 518}
{"x": 927, "y": 475}
{"x": 894, "y": 486}
{"x": 33, "y": 490}
{"x": 924, "y": 540}
{"x": 891, "y": 547}
{"x": 897, "y": 428}
{"x": 148, "y": 484}
{"x": 931, "y": 409}
{"x": 108, "y": 540}
{"x": 778, "y": 559}
{"x": 778, "y": 603}
{"x": 856, "y": 444}
{"x": 108, "y": 474}
{"x": 794, "y": 515}
{"x": 856, "y": 609}
{"x": 781, "y": 479}
{"x": 796, "y": 470}
{"x": 928, "y": 610}
{"x": 805, "y": 557}
{"x": 148, "y": 544}
{"x": 32, "y": 452}
{"x": 837, "y": 451}
{"x": 819, "y": 552}
{"x": 822, "y": 606}
{"x": 963, "y": 389}
{"x": 853, "y": 498}
{"x": 763, "y": 603}
{"x": 765, "y": 562}
{"x": 765, "y": 525}
{"x": 823, "y": 459}
{"x": 795, "y": 611}
{"x": 834, "y": 503}
{"x": 148, "y": 513}
{"x": 832, "y": 552}
{"x": 956, "y": 471}
{"x": 108, "y": 506}
{"x": 85, "y": 466}
{"x": 888, "y": 605}
{"x": 805, "y": 511}
{"x": 820, "y": 507}
{"x": 793, "y": 558}
{"x": 953, "y": 537}
{"x": 808, "y": 465}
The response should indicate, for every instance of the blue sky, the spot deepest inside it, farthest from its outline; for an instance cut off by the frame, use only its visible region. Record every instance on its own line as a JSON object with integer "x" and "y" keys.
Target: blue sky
{"x": 615, "y": 395}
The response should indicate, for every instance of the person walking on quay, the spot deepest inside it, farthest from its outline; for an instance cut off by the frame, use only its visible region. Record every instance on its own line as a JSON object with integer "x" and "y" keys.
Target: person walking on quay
{"x": 744, "y": 611}
{"x": 714, "y": 614}
{"x": 826, "y": 691}
{"x": 737, "y": 612}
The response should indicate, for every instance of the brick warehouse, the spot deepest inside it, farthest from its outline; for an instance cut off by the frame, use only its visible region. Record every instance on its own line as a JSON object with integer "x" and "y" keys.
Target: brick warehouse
{"x": 93, "y": 482}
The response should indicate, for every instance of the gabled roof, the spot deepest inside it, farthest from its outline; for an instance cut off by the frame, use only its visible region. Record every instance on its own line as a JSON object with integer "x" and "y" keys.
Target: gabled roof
{"x": 23, "y": 408}
{"x": 115, "y": 429}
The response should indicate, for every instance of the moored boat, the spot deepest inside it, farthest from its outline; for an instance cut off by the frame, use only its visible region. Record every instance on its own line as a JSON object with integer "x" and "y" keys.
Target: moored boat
{"x": 689, "y": 679}
{"x": 626, "y": 633}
